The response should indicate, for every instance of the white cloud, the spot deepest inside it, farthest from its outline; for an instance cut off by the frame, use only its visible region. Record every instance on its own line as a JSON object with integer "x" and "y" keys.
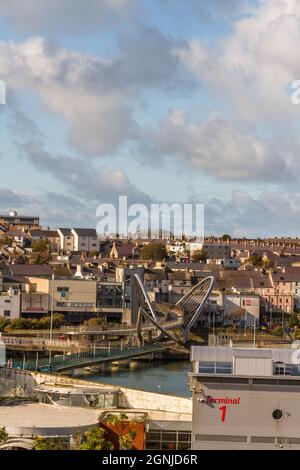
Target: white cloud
{"x": 271, "y": 213}
{"x": 218, "y": 148}
{"x": 253, "y": 67}
{"x": 95, "y": 96}
{"x": 69, "y": 16}
{"x": 66, "y": 82}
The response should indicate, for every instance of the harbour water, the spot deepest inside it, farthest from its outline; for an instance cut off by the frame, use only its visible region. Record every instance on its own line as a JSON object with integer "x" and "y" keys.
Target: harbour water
{"x": 158, "y": 376}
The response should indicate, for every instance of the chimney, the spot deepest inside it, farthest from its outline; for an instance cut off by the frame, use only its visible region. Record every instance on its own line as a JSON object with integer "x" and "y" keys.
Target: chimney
{"x": 78, "y": 271}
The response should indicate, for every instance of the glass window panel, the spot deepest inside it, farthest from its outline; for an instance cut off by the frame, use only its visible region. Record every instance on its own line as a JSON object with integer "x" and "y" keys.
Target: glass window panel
{"x": 168, "y": 446}
{"x": 169, "y": 436}
{"x": 153, "y": 435}
{"x": 153, "y": 445}
{"x": 184, "y": 446}
{"x": 184, "y": 437}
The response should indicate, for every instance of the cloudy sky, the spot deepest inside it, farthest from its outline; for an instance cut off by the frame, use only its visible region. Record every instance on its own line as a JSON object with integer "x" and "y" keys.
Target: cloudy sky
{"x": 160, "y": 100}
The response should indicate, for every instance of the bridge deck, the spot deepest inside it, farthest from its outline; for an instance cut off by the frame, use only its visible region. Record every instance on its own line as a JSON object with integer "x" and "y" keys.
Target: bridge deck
{"x": 88, "y": 359}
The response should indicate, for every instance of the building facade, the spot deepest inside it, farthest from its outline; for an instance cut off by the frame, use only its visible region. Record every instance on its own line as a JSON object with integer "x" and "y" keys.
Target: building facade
{"x": 85, "y": 239}
{"x": 66, "y": 239}
{"x": 245, "y": 398}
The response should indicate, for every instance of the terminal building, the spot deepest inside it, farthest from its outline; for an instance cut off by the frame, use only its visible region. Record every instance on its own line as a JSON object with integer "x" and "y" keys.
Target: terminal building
{"x": 245, "y": 399}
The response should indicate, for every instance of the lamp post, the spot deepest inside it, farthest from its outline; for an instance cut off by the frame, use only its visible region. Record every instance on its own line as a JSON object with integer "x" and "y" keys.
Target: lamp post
{"x": 254, "y": 332}
{"x": 51, "y": 318}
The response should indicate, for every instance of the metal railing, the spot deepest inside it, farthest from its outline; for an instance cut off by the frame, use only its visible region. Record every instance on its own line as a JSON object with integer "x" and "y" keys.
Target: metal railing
{"x": 84, "y": 359}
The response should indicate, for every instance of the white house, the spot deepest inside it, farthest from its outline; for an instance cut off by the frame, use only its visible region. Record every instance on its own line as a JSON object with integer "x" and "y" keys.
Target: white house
{"x": 66, "y": 239}
{"x": 85, "y": 239}
{"x": 247, "y": 307}
{"x": 10, "y": 304}
{"x": 17, "y": 236}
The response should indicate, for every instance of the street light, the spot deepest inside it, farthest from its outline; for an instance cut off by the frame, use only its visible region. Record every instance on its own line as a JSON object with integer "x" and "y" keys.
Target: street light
{"x": 51, "y": 318}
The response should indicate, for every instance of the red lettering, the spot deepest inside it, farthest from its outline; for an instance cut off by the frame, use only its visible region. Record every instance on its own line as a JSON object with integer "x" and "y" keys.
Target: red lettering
{"x": 223, "y": 415}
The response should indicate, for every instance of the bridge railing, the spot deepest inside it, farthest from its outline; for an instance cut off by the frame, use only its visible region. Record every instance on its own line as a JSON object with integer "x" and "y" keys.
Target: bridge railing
{"x": 69, "y": 360}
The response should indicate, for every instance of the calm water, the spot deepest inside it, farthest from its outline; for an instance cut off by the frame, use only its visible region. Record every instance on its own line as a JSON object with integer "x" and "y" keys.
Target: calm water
{"x": 162, "y": 377}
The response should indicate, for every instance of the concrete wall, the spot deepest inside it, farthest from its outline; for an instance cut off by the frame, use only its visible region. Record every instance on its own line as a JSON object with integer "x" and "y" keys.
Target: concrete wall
{"x": 154, "y": 401}
{"x": 129, "y": 398}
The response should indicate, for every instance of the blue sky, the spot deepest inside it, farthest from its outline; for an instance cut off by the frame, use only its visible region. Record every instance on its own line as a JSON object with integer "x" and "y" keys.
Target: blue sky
{"x": 162, "y": 100}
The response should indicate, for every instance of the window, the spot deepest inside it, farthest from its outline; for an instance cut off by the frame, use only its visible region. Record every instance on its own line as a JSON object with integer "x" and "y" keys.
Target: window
{"x": 219, "y": 438}
{"x": 168, "y": 440}
{"x": 63, "y": 289}
{"x": 7, "y": 313}
{"x": 279, "y": 369}
{"x": 206, "y": 367}
{"x": 277, "y": 415}
{"x": 215, "y": 368}
{"x": 262, "y": 440}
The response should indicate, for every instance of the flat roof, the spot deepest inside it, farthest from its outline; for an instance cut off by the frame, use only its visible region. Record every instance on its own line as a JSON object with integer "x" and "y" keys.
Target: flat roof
{"x": 26, "y": 419}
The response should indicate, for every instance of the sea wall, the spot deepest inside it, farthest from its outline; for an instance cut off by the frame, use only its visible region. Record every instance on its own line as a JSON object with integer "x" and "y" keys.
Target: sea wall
{"x": 128, "y": 398}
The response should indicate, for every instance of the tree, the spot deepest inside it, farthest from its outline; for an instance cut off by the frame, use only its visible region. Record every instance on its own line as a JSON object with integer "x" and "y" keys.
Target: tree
{"x": 42, "y": 443}
{"x": 236, "y": 314}
{"x": 95, "y": 321}
{"x": 4, "y": 322}
{"x": 122, "y": 427}
{"x": 39, "y": 257}
{"x": 95, "y": 440}
{"x": 154, "y": 251}
{"x": 3, "y": 436}
{"x": 34, "y": 324}
{"x": 226, "y": 237}
{"x": 256, "y": 260}
{"x": 40, "y": 246}
{"x": 294, "y": 320}
{"x": 5, "y": 241}
{"x": 199, "y": 255}
{"x": 40, "y": 252}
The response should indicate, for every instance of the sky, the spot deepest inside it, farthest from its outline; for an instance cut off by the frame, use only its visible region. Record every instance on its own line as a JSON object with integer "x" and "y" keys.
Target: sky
{"x": 159, "y": 100}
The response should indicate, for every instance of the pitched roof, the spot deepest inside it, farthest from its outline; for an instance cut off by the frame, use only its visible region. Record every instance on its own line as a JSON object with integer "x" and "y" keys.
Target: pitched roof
{"x": 290, "y": 275}
{"x": 85, "y": 232}
{"x": 36, "y": 233}
{"x": 30, "y": 270}
{"x": 15, "y": 233}
{"x": 44, "y": 233}
{"x": 50, "y": 233}
{"x": 65, "y": 231}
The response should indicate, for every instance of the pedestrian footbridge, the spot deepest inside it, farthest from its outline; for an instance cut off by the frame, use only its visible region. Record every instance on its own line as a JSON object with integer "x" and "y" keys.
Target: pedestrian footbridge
{"x": 68, "y": 362}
